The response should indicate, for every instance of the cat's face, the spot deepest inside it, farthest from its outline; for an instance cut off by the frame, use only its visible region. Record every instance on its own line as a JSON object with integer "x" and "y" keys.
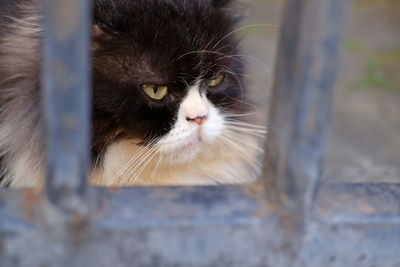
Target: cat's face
{"x": 168, "y": 99}
{"x": 164, "y": 75}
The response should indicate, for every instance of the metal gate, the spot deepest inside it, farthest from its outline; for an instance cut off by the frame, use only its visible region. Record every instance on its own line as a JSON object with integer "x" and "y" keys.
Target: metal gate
{"x": 287, "y": 219}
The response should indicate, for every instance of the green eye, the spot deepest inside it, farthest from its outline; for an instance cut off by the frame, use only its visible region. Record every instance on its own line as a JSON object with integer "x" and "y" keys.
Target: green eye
{"x": 217, "y": 80}
{"x": 155, "y": 91}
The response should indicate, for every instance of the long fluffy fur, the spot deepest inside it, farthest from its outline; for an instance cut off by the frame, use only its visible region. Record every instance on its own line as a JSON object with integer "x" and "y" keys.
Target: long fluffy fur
{"x": 20, "y": 132}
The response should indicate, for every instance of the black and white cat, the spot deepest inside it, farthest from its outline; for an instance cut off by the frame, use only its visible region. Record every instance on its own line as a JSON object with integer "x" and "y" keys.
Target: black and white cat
{"x": 169, "y": 103}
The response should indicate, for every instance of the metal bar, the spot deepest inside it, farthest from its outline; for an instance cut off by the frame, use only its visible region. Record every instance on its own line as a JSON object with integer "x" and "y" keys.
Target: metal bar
{"x": 358, "y": 203}
{"x": 66, "y": 108}
{"x": 127, "y": 208}
{"x": 306, "y": 70}
{"x": 66, "y": 83}
{"x": 192, "y": 226}
{"x": 302, "y": 100}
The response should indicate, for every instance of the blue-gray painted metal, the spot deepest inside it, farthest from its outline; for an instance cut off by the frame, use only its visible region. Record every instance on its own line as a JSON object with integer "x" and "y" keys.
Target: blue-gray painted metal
{"x": 302, "y": 100}
{"x": 306, "y": 71}
{"x": 66, "y": 83}
{"x": 213, "y": 226}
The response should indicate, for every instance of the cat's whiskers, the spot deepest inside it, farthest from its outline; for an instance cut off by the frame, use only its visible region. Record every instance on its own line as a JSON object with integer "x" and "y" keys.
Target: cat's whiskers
{"x": 250, "y": 131}
{"x": 228, "y": 70}
{"x": 184, "y": 81}
{"x": 235, "y": 115}
{"x": 138, "y": 171}
{"x": 243, "y": 28}
{"x": 151, "y": 177}
{"x": 201, "y": 51}
{"x": 237, "y": 79}
{"x": 266, "y": 68}
{"x": 138, "y": 161}
{"x": 238, "y": 134}
{"x": 245, "y": 124}
{"x": 231, "y": 143}
{"x": 241, "y": 101}
{"x": 133, "y": 158}
{"x": 233, "y": 139}
{"x": 138, "y": 165}
{"x": 247, "y": 132}
{"x": 185, "y": 74}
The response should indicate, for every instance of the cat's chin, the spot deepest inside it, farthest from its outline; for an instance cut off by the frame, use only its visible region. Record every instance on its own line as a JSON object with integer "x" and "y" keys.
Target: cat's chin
{"x": 188, "y": 152}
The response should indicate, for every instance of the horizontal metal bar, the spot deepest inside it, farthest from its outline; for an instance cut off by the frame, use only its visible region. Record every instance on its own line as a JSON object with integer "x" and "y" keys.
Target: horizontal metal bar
{"x": 151, "y": 207}
{"x": 358, "y": 203}
{"x": 17, "y": 208}
{"x": 182, "y": 226}
{"x": 345, "y": 245}
{"x": 127, "y": 208}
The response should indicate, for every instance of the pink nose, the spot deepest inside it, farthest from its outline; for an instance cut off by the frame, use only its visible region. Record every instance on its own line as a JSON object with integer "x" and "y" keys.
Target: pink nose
{"x": 198, "y": 120}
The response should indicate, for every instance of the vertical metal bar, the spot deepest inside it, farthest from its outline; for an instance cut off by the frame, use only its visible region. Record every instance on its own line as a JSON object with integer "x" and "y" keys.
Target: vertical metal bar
{"x": 66, "y": 81}
{"x": 66, "y": 105}
{"x": 306, "y": 71}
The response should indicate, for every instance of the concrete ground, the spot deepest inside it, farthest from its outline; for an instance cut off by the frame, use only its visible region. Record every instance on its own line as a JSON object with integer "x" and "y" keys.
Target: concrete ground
{"x": 365, "y": 141}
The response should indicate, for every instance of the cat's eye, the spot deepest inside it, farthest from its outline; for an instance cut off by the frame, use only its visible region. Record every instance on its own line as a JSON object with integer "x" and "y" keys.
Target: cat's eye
{"x": 155, "y": 91}
{"x": 217, "y": 80}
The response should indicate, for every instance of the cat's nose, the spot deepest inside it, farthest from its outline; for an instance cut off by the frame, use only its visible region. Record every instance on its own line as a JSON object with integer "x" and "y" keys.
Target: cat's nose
{"x": 199, "y": 120}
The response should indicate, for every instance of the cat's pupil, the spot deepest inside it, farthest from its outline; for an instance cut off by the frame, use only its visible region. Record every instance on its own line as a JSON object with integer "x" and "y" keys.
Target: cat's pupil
{"x": 155, "y": 88}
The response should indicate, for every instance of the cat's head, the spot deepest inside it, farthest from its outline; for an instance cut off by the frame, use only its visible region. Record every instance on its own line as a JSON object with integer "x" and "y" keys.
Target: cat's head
{"x": 165, "y": 74}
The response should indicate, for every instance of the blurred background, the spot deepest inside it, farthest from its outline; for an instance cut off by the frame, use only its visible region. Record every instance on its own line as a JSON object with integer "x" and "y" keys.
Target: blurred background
{"x": 364, "y": 144}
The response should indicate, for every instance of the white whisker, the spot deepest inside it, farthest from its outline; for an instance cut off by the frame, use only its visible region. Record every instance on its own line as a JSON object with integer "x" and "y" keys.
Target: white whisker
{"x": 234, "y": 143}
{"x": 245, "y": 124}
{"x": 145, "y": 159}
{"x": 135, "y": 155}
{"x": 242, "y": 28}
{"x": 151, "y": 177}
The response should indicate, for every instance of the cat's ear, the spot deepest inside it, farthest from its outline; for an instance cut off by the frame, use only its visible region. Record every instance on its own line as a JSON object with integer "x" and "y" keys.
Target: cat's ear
{"x": 97, "y": 31}
{"x": 99, "y": 36}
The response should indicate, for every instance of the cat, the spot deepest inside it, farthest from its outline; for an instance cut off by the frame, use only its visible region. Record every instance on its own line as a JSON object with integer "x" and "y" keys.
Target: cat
{"x": 170, "y": 106}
